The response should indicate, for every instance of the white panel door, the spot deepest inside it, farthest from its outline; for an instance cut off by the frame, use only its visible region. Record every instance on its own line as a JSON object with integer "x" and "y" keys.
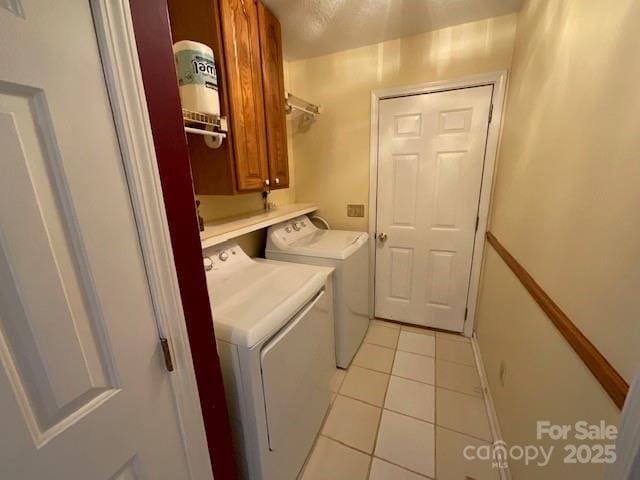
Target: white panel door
{"x": 83, "y": 391}
{"x": 430, "y": 161}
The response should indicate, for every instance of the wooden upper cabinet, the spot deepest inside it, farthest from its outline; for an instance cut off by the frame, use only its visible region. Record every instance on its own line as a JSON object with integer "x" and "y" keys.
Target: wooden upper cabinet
{"x": 241, "y": 41}
{"x": 274, "y": 97}
{"x": 246, "y": 42}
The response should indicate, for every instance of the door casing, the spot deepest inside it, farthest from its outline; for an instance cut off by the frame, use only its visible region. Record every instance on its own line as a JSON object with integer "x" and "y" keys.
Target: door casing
{"x": 118, "y": 49}
{"x": 499, "y": 81}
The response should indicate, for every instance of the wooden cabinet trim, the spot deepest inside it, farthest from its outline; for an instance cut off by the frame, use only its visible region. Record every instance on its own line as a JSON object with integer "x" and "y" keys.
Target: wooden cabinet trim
{"x": 241, "y": 45}
{"x": 274, "y": 100}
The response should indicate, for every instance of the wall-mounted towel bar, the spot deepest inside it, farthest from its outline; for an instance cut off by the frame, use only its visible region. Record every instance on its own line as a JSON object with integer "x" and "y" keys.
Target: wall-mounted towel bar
{"x": 308, "y": 109}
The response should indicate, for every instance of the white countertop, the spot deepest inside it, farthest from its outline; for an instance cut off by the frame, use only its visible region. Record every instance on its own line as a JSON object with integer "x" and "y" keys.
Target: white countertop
{"x": 224, "y": 229}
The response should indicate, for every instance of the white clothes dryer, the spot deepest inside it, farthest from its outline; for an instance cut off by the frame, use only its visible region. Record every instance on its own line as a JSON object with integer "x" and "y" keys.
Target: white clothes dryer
{"x": 274, "y": 330}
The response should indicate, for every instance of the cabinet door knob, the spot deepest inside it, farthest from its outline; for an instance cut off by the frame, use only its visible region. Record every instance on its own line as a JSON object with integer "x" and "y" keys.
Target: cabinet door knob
{"x": 382, "y": 237}
{"x": 266, "y": 182}
{"x": 277, "y": 180}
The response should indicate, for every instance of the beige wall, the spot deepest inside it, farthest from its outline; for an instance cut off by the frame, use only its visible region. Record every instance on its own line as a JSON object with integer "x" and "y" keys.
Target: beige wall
{"x": 545, "y": 379}
{"x": 213, "y": 207}
{"x": 566, "y": 206}
{"x": 332, "y": 155}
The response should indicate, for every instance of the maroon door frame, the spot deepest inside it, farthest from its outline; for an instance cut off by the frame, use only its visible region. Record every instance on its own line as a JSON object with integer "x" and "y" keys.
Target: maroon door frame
{"x": 153, "y": 37}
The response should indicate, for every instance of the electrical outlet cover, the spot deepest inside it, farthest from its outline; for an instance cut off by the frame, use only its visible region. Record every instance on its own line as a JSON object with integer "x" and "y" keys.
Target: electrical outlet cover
{"x": 355, "y": 210}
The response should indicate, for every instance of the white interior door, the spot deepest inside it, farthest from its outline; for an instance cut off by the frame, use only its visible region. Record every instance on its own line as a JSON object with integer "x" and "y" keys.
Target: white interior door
{"x": 430, "y": 161}
{"x": 83, "y": 391}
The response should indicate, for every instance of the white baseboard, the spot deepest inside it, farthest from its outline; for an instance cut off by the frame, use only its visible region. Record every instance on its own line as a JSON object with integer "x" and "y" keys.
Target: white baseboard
{"x": 494, "y": 424}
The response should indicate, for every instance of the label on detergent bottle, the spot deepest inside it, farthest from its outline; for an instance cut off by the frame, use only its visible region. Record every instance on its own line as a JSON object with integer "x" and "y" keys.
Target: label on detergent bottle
{"x": 196, "y": 68}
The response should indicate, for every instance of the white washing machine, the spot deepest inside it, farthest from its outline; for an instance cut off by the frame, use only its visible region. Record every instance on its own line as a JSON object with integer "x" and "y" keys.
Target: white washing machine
{"x": 274, "y": 329}
{"x": 300, "y": 241}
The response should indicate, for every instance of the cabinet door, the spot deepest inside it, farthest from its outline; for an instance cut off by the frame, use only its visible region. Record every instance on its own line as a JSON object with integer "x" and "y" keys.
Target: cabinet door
{"x": 273, "y": 84}
{"x": 242, "y": 53}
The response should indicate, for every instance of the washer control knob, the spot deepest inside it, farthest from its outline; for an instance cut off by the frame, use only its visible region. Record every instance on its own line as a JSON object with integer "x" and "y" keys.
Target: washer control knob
{"x": 296, "y": 226}
{"x": 223, "y": 256}
{"x": 208, "y": 264}
{"x": 287, "y": 229}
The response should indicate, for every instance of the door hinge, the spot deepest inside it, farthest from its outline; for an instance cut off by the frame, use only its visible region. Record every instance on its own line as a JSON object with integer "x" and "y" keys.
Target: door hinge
{"x": 166, "y": 351}
{"x": 490, "y": 112}
{"x": 466, "y": 312}
{"x": 477, "y": 223}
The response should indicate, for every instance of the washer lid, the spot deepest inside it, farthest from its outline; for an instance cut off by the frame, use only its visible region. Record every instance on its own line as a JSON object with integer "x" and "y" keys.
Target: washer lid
{"x": 255, "y": 301}
{"x": 337, "y": 244}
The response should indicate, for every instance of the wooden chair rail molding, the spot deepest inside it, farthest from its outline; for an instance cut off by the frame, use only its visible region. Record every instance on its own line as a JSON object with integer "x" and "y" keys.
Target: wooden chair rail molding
{"x": 609, "y": 378}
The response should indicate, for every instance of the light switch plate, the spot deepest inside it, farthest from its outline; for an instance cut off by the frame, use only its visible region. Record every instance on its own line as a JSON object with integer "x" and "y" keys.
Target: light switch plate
{"x": 355, "y": 210}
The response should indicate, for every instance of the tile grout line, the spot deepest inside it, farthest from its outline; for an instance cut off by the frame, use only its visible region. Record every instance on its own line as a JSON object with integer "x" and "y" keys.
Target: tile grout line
{"x": 369, "y": 368}
{"x": 341, "y": 442}
{"x": 422, "y": 475}
{"x": 416, "y": 353}
{"x": 417, "y": 381}
{"x": 372, "y": 369}
{"x": 381, "y": 323}
{"x": 319, "y": 434}
{"x": 464, "y": 434}
{"x": 362, "y": 401}
{"x": 458, "y": 391}
{"x": 409, "y": 416}
{"x": 423, "y": 330}
{"x": 434, "y": 385}
{"x": 384, "y": 400}
{"x": 365, "y": 342}
{"x": 378, "y": 344}
{"x": 434, "y": 423}
{"x": 437, "y": 425}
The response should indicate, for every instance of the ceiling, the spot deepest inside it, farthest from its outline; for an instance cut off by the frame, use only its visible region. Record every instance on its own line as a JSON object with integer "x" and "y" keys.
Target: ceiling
{"x": 317, "y": 27}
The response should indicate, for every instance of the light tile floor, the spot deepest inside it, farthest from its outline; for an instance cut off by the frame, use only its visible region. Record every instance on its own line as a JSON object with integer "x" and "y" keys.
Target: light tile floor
{"x": 405, "y": 409}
